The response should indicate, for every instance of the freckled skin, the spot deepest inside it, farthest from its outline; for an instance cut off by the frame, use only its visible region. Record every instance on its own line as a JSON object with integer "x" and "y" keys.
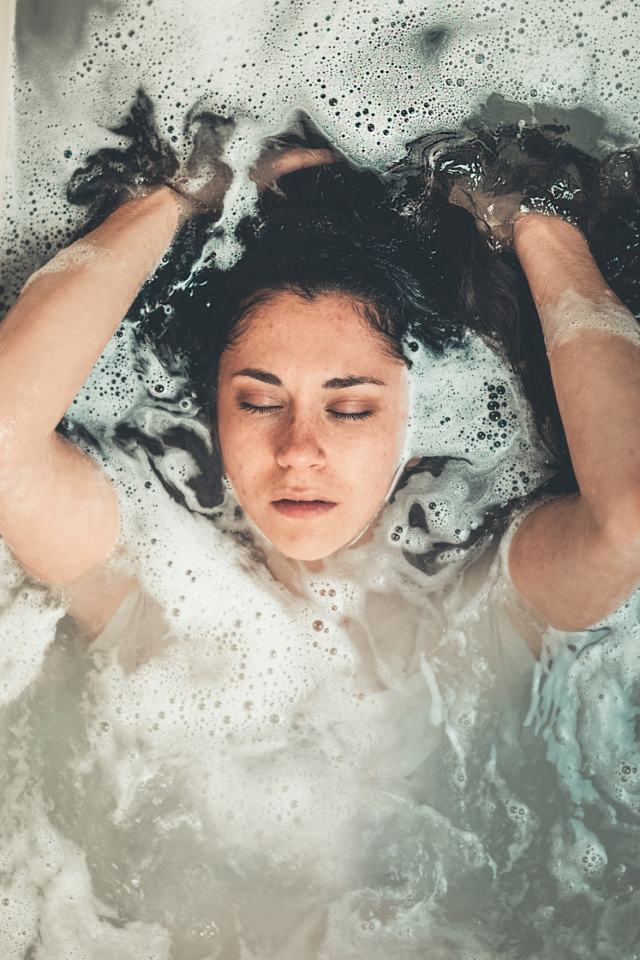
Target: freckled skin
{"x": 299, "y": 443}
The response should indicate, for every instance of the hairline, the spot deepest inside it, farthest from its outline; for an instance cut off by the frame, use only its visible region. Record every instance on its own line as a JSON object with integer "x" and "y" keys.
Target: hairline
{"x": 367, "y": 310}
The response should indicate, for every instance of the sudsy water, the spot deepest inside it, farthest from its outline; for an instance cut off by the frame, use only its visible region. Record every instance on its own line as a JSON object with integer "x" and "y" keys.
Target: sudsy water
{"x": 377, "y": 767}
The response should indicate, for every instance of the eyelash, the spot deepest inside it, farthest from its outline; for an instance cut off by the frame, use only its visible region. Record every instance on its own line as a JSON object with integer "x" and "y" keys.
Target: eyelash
{"x": 252, "y": 408}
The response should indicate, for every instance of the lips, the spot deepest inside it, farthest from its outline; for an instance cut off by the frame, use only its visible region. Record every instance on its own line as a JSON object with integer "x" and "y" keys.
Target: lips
{"x": 303, "y": 508}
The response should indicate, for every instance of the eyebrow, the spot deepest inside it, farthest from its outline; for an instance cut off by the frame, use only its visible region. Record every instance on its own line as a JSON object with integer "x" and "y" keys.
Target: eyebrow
{"x": 336, "y": 383}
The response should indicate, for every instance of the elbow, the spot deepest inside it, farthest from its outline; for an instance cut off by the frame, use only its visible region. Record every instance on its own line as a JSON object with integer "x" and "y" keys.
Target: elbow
{"x": 21, "y": 455}
{"x": 9, "y": 469}
{"x": 12, "y": 443}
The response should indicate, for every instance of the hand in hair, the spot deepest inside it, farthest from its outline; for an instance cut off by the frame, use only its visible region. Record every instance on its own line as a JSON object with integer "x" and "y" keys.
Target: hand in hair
{"x": 205, "y": 178}
{"x": 501, "y": 175}
{"x": 111, "y": 176}
{"x": 275, "y": 162}
{"x": 204, "y": 190}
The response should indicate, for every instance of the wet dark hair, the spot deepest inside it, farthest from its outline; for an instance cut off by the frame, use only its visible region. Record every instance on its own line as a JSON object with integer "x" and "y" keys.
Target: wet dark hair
{"x": 424, "y": 279}
{"x": 416, "y": 265}
{"x": 329, "y": 231}
{"x": 312, "y": 254}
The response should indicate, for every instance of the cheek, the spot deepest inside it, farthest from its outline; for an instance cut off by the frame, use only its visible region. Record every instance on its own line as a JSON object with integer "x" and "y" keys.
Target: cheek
{"x": 239, "y": 444}
{"x": 385, "y": 455}
{"x": 369, "y": 462}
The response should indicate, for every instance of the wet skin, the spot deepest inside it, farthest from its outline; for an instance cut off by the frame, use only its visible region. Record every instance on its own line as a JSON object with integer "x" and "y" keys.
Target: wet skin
{"x": 312, "y": 414}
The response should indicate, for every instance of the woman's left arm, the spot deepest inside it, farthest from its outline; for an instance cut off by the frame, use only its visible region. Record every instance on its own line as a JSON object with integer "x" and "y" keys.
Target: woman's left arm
{"x": 577, "y": 558}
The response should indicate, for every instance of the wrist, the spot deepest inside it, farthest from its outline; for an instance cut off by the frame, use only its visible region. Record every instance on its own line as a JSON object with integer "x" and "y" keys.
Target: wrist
{"x": 142, "y": 228}
{"x": 179, "y": 207}
{"x": 555, "y": 257}
{"x": 545, "y": 227}
{"x": 151, "y": 198}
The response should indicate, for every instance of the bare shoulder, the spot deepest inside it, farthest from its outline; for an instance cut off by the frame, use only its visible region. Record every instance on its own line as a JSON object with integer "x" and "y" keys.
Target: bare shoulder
{"x": 568, "y": 567}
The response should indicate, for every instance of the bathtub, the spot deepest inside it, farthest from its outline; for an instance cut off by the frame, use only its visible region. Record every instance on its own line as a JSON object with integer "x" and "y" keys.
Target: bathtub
{"x": 128, "y": 826}
{"x": 7, "y": 12}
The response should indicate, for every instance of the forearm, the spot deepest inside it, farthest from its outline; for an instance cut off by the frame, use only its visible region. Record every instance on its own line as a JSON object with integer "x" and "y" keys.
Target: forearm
{"x": 68, "y": 311}
{"x": 594, "y": 355}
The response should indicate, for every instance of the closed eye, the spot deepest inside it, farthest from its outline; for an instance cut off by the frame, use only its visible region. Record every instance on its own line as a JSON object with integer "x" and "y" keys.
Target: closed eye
{"x": 272, "y": 408}
{"x": 351, "y": 416}
{"x": 254, "y": 408}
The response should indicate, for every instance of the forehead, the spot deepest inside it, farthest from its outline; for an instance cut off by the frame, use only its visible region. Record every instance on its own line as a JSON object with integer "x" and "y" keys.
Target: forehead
{"x": 328, "y": 332}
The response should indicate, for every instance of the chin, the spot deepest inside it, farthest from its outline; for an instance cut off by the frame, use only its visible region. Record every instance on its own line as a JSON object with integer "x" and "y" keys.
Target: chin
{"x": 305, "y": 552}
{"x": 306, "y": 548}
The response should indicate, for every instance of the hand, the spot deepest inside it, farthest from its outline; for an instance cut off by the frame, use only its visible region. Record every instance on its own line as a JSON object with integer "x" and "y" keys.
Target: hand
{"x": 495, "y": 214}
{"x": 206, "y": 178}
{"x": 500, "y": 176}
{"x": 112, "y": 176}
{"x": 275, "y": 162}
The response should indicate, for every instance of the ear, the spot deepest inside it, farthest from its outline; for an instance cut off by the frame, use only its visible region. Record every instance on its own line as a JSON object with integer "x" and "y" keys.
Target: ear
{"x": 412, "y": 463}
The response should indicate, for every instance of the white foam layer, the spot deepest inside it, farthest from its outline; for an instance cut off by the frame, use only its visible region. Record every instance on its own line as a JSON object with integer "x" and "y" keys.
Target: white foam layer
{"x": 372, "y": 75}
{"x": 29, "y": 618}
{"x": 574, "y": 314}
{"x": 234, "y": 771}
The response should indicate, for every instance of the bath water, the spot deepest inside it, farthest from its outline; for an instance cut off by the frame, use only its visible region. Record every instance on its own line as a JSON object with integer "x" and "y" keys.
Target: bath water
{"x": 373, "y": 764}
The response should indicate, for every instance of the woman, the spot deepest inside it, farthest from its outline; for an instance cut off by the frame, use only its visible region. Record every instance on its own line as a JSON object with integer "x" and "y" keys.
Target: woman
{"x": 309, "y": 395}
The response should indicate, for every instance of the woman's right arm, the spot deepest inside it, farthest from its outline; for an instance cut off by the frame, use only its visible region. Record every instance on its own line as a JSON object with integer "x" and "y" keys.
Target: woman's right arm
{"x": 58, "y": 511}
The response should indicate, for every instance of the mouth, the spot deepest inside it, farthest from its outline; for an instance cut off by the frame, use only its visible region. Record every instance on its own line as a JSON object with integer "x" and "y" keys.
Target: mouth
{"x": 303, "y": 509}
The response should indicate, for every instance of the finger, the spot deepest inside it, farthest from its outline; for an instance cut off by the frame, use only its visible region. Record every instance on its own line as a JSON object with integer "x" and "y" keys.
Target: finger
{"x": 271, "y": 165}
{"x": 298, "y": 159}
{"x": 462, "y": 197}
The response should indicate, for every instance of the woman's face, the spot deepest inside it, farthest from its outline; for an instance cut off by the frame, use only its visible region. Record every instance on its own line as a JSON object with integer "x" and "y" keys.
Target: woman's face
{"x": 312, "y": 415}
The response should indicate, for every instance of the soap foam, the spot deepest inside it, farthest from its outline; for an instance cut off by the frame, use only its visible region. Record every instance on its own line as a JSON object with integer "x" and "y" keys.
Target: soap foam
{"x": 574, "y": 314}
{"x": 230, "y": 762}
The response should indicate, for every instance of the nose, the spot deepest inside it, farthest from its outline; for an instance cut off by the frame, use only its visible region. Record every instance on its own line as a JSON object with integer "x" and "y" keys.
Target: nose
{"x": 299, "y": 446}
